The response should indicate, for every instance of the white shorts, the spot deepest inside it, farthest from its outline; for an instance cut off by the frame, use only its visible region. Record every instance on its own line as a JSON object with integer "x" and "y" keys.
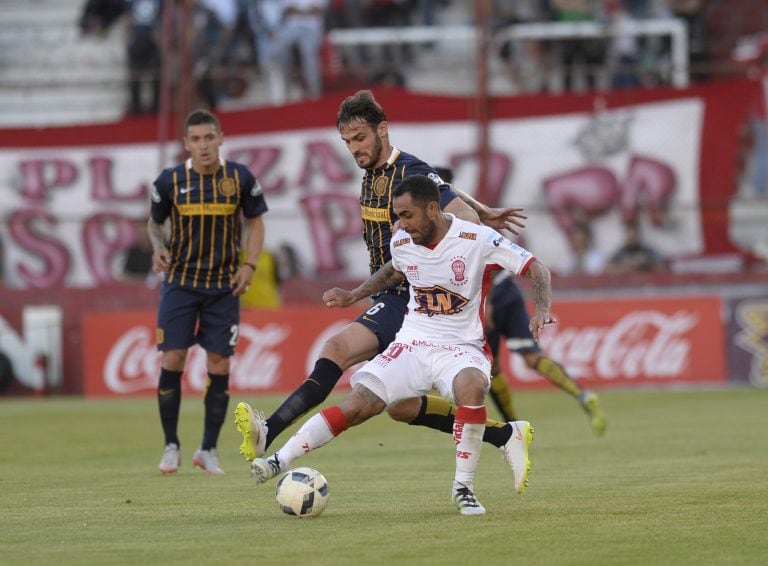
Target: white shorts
{"x": 414, "y": 368}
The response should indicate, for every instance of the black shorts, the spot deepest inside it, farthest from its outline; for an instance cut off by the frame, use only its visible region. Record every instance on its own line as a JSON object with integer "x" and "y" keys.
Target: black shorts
{"x": 189, "y": 316}
{"x": 510, "y": 319}
{"x": 385, "y": 317}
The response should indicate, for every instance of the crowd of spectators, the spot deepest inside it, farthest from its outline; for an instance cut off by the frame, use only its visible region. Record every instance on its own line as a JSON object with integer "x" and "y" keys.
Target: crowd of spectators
{"x": 283, "y": 43}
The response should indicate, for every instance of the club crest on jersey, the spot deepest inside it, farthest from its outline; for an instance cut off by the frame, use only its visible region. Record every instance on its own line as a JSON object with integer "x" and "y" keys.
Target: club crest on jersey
{"x": 458, "y": 266}
{"x": 438, "y": 300}
{"x": 380, "y": 186}
{"x": 227, "y": 187}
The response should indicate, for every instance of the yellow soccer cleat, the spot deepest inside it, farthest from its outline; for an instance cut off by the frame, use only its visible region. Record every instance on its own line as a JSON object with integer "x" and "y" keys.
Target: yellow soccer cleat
{"x": 591, "y": 404}
{"x": 253, "y": 427}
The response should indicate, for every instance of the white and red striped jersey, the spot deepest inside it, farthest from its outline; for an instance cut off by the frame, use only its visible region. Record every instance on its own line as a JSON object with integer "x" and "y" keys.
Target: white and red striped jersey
{"x": 449, "y": 282}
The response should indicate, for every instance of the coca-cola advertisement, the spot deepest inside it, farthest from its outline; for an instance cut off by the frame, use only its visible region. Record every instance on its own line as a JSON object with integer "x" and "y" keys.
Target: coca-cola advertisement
{"x": 650, "y": 342}
{"x": 618, "y": 342}
{"x": 276, "y": 350}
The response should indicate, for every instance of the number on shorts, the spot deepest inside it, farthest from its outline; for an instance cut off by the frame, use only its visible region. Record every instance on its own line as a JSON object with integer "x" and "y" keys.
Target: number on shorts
{"x": 395, "y": 349}
{"x": 375, "y": 308}
{"x": 235, "y": 330}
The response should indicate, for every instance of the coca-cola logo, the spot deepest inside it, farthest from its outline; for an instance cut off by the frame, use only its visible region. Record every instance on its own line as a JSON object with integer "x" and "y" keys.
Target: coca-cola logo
{"x": 133, "y": 362}
{"x": 645, "y": 344}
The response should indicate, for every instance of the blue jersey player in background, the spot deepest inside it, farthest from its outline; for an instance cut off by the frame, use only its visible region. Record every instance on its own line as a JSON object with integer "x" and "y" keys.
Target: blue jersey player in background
{"x": 202, "y": 202}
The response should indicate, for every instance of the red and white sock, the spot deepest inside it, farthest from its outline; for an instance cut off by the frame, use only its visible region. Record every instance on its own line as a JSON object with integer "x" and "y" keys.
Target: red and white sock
{"x": 468, "y": 428}
{"x": 318, "y": 431}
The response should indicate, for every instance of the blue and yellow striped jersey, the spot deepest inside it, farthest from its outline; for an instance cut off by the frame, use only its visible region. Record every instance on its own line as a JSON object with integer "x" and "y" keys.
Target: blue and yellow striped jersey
{"x": 376, "y": 202}
{"x": 205, "y": 223}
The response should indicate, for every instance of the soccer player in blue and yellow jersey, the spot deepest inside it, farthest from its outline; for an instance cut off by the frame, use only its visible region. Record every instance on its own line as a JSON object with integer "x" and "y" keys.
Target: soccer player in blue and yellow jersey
{"x": 202, "y": 201}
{"x": 363, "y": 126}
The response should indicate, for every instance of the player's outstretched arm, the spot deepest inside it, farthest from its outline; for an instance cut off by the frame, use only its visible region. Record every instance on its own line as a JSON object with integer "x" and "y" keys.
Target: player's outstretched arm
{"x": 541, "y": 282}
{"x": 499, "y": 218}
{"x": 386, "y": 277}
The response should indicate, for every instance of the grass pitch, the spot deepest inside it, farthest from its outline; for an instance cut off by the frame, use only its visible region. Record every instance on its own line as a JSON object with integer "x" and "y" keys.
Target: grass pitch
{"x": 681, "y": 477}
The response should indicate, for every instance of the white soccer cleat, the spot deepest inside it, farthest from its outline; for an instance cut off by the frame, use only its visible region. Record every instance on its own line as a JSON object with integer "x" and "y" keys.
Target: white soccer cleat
{"x": 253, "y": 427}
{"x": 265, "y": 469}
{"x": 208, "y": 461}
{"x": 464, "y": 498}
{"x": 171, "y": 459}
{"x": 515, "y": 452}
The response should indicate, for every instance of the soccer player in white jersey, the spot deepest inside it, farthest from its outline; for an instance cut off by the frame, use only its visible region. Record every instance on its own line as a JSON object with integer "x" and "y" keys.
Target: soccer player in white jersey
{"x": 441, "y": 344}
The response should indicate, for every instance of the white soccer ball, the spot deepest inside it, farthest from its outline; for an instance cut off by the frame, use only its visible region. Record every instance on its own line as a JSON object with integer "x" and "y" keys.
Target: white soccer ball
{"x": 302, "y": 492}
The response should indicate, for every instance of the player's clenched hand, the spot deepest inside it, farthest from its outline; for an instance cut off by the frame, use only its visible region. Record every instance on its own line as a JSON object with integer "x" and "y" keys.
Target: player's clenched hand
{"x": 242, "y": 280}
{"x": 338, "y": 298}
{"x": 539, "y": 321}
{"x": 161, "y": 261}
{"x": 504, "y": 218}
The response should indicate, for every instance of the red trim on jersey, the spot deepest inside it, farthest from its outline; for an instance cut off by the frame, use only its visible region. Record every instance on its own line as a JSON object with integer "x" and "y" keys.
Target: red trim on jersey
{"x": 471, "y": 415}
{"x": 527, "y": 265}
{"x": 335, "y": 419}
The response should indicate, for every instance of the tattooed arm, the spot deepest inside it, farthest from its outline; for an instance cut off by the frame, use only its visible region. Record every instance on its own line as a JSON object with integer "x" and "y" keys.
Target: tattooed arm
{"x": 386, "y": 277}
{"x": 541, "y": 282}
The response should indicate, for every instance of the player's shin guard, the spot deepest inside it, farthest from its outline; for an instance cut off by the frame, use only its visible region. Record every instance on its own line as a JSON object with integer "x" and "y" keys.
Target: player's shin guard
{"x": 308, "y": 395}
{"x": 438, "y": 414}
{"x": 169, "y": 401}
{"x": 216, "y": 403}
{"x": 557, "y": 375}
{"x": 502, "y": 396}
{"x": 468, "y": 436}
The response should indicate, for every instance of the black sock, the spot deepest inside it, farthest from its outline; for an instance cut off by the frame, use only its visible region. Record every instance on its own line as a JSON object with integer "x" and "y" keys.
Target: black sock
{"x": 216, "y": 403}
{"x": 309, "y": 394}
{"x": 169, "y": 401}
{"x": 438, "y": 414}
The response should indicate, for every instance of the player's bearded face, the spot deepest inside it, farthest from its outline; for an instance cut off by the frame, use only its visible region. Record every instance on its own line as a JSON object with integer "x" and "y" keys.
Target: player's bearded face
{"x": 364, "y": 142}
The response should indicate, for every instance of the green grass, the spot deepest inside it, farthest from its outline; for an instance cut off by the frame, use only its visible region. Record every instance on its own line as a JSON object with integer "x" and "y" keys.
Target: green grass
{"x": 680, "y": 478}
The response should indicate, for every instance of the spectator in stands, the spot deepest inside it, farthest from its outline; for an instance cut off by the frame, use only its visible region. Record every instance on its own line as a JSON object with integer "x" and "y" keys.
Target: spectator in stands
{"x": 265, "y": 18}
{"x": 303, "y": 29}
{"x": 585, "y": 258}
{"x": 635, "y": 256}
{"x": 214, "y": 23}
{"x": 692, "y": 12}
{"x": 99, "y": 15}
{"x": 144, "y": 55}
{"x": 580, "y": 58}
{"x": 287, "y": 262}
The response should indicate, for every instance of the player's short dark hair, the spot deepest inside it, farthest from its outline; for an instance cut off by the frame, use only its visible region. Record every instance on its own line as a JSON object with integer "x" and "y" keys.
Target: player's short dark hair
{"x": 445, "y": 173}
{"x": 421, "y": 188}
{"x": 360, "y": 106}
{"x": 201, "y": 116}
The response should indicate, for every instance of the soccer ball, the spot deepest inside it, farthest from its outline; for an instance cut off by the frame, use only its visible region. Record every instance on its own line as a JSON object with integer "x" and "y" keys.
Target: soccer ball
{"x": 302, "y": 492}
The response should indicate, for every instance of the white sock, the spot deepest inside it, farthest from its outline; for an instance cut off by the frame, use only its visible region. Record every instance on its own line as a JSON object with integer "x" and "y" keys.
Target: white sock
{"x": 469, "y": 443}
{"x": 313, "y": 434}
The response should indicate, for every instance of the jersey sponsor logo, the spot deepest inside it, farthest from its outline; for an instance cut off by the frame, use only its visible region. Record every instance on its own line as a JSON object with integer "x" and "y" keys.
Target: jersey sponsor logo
{"x": 400, "y": 242}
{"x": 155, "y": 195}
{"x": 380, "y": 186}
{"x": 438, "y": 300}
{"x": 207, "y": 209}
{"x": 459, "y": 267}
{"x": 185, "y": 190}
{"x": 227, "y": 187}
{"x": 435, "y": 178}
{"x": 468, "y": 235}
{"x": 256, "y": 190}
{"x": 497, "y": 241}
{"x": 375, "y": 214}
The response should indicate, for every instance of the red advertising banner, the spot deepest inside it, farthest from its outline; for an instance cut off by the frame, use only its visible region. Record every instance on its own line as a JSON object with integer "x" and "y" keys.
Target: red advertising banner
{"x": 650, "y": 342}
{"x": 655, "y": 342}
